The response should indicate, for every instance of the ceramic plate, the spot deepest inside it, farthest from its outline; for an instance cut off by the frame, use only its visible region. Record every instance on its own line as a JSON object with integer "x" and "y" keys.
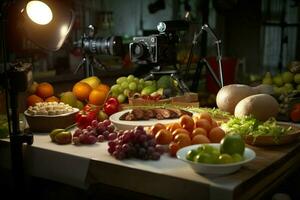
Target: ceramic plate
{"x": 204, "y": 168}
{"x": 290, "y": 137}
{"x": 125, "y": 125}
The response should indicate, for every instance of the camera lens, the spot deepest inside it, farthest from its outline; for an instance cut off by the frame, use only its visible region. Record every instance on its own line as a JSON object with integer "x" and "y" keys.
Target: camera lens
{"x": 110, "y": 45}
{"x": 102, "y": 45}
{"x": 138, "y": 50}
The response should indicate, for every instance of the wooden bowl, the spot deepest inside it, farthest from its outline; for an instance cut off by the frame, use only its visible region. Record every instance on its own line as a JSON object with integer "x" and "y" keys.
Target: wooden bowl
{"x": 290, "y": 137}
{"x": 46, "y": 123}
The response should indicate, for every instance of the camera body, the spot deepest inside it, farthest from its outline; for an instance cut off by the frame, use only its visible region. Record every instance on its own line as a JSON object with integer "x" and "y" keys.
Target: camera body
{"x": 158, "y": 49}
{"x": 153, "y": 49}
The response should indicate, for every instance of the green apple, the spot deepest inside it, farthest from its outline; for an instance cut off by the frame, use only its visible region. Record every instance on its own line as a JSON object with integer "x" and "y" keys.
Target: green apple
{"x": 287, "y": 77}
{"x": 297, "y": 78}
{"x": 232, "y": 144}
{"x": 277, "y": 80}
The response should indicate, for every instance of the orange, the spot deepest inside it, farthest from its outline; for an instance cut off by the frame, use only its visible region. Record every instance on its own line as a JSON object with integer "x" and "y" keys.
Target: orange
{"x": 82, "y": 90}
{"x": 199, "y": 131}
{"x": 156, "y": 127}
{"x": 173, "y": 127}
{"x": 216, "y": 135}
{"x": 200, "y": 139}
{"x": 183, "y": 140}
{"x": 163, "y": 136}
{"x": 173, "y": 148}
{"x": 44, "y": 90}
{"x": 97, "y": 97}
{"x": 187, "y": 122}
{"x": 203, "y": 123}
{"x": 179, "y": 131}
{"x": 33, "y": 99}
{"x": 103, "y": 87}
{"x": 52, "y": 99}
{"x": 205, "y": 115}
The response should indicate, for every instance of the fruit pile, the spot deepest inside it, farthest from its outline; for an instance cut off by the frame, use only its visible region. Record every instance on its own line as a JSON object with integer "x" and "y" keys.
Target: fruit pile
{"x": 189, "y": 130}
{"x": 40, "y": 92}
{"x": 89, "y": 90}
{"x": 98, "y": 131}
{"x": 134, "y": 143}
{"x": 231, "y": 150}
{"x": 132, "y": 86}
{"x": 286, "y": 86}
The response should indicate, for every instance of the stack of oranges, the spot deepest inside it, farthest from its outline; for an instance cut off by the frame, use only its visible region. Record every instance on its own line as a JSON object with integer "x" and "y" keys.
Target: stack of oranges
{"x": 96, "y": 96}
{"x": 41, "y": 92}
{"x": 189, "y": 130}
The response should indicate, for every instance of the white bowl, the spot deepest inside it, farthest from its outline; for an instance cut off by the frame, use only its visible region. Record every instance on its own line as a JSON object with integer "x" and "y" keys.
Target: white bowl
{"x": 127, "y": 125}
{"x": 204, "y": 168}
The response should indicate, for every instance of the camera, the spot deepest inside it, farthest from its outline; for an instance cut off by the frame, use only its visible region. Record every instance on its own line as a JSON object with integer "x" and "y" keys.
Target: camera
{"x": 152, "y": 49}
{"x": 157, "y": 48}
{"x": 111, "y": 45}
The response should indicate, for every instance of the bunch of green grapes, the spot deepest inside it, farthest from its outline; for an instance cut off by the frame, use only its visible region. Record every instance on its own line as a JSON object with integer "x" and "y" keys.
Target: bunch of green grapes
{"x": 126, "y": 86}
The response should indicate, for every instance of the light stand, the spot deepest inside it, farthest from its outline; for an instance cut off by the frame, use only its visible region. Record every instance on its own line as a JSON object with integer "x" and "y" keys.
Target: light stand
{"x": 48, "y": 31}
{"x": 203, "y": 61}
{"x": 13, "y": 84}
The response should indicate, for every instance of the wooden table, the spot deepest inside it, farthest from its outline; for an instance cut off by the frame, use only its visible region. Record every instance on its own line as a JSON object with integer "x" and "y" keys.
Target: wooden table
{"x": 83, "y": 166}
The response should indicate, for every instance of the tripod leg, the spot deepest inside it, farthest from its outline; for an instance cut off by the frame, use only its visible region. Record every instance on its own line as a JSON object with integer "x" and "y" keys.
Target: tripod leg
{"x": 182, "y": 86}
{"x": 99, "y": 64}
{"x": 80, "y": 65}
{"x": 149, "y": 77}
{"x": 211, "y": 71}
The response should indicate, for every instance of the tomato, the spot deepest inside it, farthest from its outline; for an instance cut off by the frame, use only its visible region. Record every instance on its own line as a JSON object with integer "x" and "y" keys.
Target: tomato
{"x": 110, "y": 109}
{"x": 295, "y": 115}
{"x": 85, "y": 118}
{"x": 112, "y": 101}
{"x": 111, "y": 106}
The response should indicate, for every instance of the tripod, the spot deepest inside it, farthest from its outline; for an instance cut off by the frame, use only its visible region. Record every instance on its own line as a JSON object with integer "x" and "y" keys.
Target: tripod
{"x": 89, "y": 62}
{"x": 174, "y": 75}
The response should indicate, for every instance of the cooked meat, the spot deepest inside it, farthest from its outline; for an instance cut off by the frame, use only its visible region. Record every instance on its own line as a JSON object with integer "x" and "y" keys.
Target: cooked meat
{"x": 173, "y": 114}
{"x": 163, "y": 112}
{"x": 123, "y": 117}
{"x": 138, "y": 114}
{"x": 149, "y": 113}
{"x": 159, "y": 116}
{"x": 130, "y": 117}
{"x": 158, "y": 113}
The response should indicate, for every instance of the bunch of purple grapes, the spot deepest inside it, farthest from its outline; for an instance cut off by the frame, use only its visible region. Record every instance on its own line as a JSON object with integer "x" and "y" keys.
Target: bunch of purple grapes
{"x": 134, "y": 143}
{"x": 98, "y": 131}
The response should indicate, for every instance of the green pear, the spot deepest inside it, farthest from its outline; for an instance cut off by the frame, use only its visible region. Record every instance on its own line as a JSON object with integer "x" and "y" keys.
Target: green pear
{"x": 68, "y": 98}
{"x": 267, "y": 79}
{"x": 287, "y": 77}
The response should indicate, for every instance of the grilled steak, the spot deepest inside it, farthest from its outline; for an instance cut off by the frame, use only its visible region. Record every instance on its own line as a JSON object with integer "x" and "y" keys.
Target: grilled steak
{"x": 158, "y": 113}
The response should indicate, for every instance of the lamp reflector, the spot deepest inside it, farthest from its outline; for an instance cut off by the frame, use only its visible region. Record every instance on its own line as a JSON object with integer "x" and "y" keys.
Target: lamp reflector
{"x": 39, "y": 12}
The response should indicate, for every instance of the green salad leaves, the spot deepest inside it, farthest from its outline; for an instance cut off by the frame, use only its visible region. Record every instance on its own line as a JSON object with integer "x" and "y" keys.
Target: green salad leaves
{"x": 249, "y": 126}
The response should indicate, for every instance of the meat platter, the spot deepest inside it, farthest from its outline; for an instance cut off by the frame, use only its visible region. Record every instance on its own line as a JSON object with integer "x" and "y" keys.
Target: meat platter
{"x": 128, "y": 119}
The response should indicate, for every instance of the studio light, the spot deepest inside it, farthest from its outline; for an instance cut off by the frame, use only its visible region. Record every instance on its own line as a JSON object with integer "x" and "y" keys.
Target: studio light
{"x": 47, "y": 24}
